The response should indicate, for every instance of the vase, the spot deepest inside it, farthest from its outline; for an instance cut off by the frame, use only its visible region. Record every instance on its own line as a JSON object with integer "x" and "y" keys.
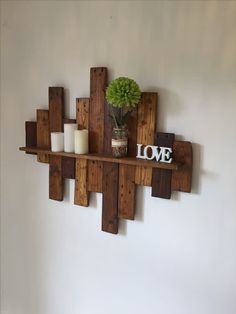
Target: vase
{"x": 119, "y": 142}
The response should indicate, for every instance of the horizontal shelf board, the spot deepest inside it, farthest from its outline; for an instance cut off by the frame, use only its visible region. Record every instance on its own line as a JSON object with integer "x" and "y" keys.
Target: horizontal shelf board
{"x": 125, "y": 160}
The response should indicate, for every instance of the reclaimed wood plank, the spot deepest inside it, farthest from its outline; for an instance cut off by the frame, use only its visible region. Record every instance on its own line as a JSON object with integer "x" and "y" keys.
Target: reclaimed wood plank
{"x": 56, "y": 109}
{"x": 56, "y": 118}
{"x": 146, "y": 128}
{"x": 68, "y": 167}
{"x": 81, "y": 195}
{"x": 82, "y": 113}
{"x": 56, "y": 183}
{"x": 127, "y": 187}
{"x": 161, "y": 178}
{"x": 81, "y": 183}
{"x": 182, "y": 179}
{"x": 31, "y": 134}
{"x": 98, "y": 84}
{"x": 110, "y": 198}
{"x": 43, "y": 135}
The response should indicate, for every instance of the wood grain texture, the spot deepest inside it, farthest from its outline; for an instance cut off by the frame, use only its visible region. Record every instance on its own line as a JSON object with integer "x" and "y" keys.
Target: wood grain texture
{"x": 182, "y": 179}
{"x": 102, "y": 157}
{"x": 31, "y": 134}
{"x": 56, "y": 108}
{"x": 146, "y": 128}
{"x": 81, "y": 183}
{"x": 110, "y": 198}
{"x": 161, "y": 178}
{"x": 43, "y": 135}
{"x": 56, "y": 118}
{"x": 82, "y": 113}
{"x": 127, "y": 189}
{"x": 56, "y": 183}
{"x": 68, "y": 167}
{"x": 98, "y": 84}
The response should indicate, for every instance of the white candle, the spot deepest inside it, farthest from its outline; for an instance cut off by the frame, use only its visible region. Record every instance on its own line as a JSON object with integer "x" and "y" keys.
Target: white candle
{"x": 81, "y": 141}
{"x": 69, "y": 141}
{"x": 57, "y": 141}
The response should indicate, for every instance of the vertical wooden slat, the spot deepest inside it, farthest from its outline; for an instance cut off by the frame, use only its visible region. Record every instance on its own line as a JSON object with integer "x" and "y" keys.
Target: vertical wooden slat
{"x": 146, "y": 128}
{"x": 81, "y": 186}
{"x": 68, "y": 167}
{"x": 182, "y": 179}
{"x": 30, "y": 134}
{"x": 110, "y": 197}
{"x": 81, "y": 172}
{"x": 56, "y": 184}
{"x": 126, "y": 200}
{"x": 127, "y": 188}
{"x": 68, "y": 163}
{"x": 98, "y": 84}
{"x": 161, "y": 178}
{"x": 82, "y": 113}
{"x": 56, "y": 116}
{"x": 56, "y": 109}
{"x": 43, "y": 135}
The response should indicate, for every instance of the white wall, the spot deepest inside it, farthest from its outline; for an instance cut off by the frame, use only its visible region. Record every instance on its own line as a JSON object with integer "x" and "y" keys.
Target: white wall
{"x": 179, "y": 256}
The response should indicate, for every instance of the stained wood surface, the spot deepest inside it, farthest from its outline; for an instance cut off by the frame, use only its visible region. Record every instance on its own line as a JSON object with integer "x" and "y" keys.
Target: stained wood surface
{"x": 56, "y": 118}
{"x": 100, "y": 157}
{"x": 127, "y": 188}
{"x": 68, "y": 120}
{"x": 82, "y": 113}
{"x": 43, "y": 135}
{"x": 146, "y": 128}
{"x": 56, "y": 183}
{"x": 30, "y": 134}
{"x": 110, "y": 198}
{"x": 56, "y": 108}
{"x": 68, "y": 167}
{"x": 182, "y": 179}
{"x": 81, "y": 183}
{"x": 161, "y": 178}
{"x": 98, "y": 84}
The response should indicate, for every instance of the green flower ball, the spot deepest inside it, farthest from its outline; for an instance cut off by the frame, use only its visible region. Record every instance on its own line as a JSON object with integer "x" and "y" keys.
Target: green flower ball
{"x": 123, "y": 92}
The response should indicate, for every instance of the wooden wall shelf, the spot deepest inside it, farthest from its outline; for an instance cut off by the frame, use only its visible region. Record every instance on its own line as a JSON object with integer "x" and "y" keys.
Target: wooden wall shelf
{"x": 99, "y": 157}
{"x": 98, "y": 171}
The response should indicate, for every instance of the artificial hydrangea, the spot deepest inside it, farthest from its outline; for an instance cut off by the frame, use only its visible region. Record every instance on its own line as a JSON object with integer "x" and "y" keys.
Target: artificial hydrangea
{"x": 123, "y": 92}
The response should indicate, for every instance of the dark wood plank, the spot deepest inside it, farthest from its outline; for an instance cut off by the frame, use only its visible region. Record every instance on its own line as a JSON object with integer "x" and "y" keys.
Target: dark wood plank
{"x": 56, "y": 108}
{"x": 110, "y": 197}
{"x": 81, "y": 177}
{"x": 161, "y": 178}
{"x": 127, "y": 188}
{"x": 82, "y": 113}
{"x": 146, "y": 128}
{"x": 81, "y": 183}
{"x": 31, "y": 134}
{"x": 182, "y": 179}
{"x": 56, "y": 183}
{"x": 43, "y": 135}
{"x": 68, "y": 120}
{"x": 68, "y": 167}
{"x": 56, "y": 118}
{"x": 98, "y": 84}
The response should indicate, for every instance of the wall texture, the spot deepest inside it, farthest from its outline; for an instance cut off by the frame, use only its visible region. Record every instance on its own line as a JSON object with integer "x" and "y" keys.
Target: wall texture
{"x": 179, "y": 256}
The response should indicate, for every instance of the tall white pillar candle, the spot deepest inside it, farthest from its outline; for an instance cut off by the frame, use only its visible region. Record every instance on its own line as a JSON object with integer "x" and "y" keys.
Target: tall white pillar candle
{"x": 69, "y": 139}
{"x": 81, "y": 141}
{"x": 57, "y": 141}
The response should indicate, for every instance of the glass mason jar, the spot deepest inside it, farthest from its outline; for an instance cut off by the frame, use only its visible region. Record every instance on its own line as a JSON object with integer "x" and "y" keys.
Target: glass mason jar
{"x": 119, "y": 142}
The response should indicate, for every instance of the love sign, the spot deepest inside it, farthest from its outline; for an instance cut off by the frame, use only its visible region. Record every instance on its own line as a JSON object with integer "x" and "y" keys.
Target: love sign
{"x": 150, "y": 152}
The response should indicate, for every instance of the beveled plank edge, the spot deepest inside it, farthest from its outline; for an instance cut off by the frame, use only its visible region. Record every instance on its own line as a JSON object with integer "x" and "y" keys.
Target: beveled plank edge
{"x": 125, "y": 160}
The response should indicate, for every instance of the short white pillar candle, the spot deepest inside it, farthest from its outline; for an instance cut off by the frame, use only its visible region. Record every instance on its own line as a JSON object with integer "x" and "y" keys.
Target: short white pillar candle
{"x": 69, "y": 140}
{"x": 81, "y": 141}
{"x": 57, "y": 141}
